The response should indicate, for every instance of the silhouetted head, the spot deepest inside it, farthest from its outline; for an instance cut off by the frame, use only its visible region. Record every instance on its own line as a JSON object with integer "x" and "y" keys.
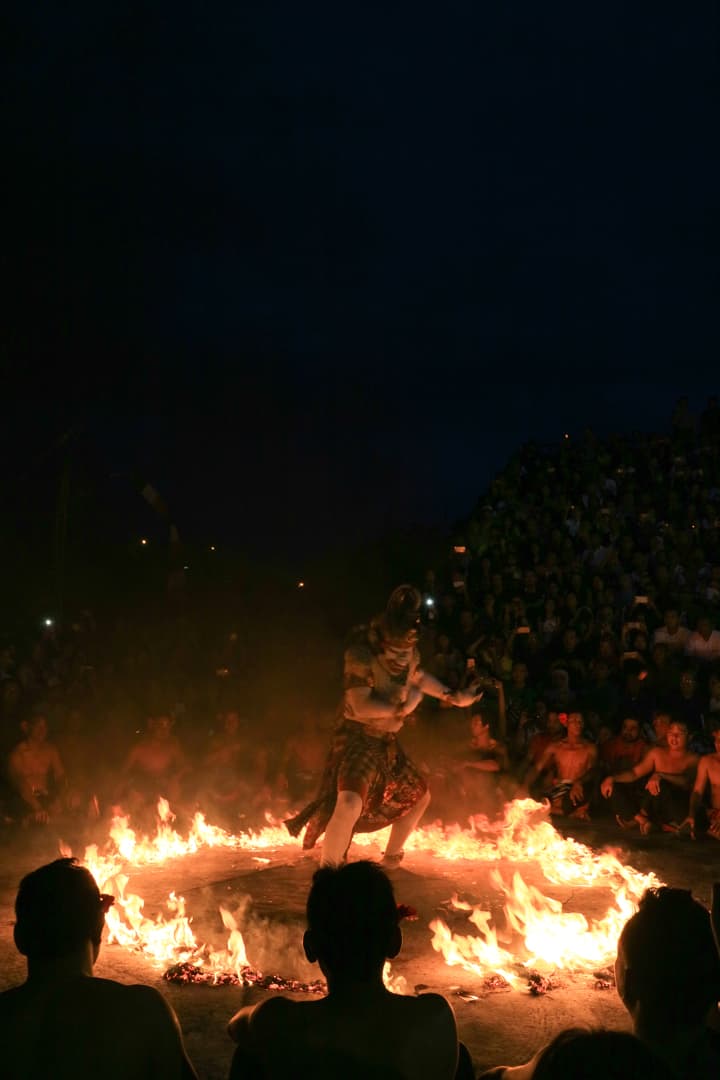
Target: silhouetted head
{"x": 577, "y": 1054}
{"x": 353, "y": 921}
{"x": 58, "y": 909}
{"x": 667, "y": 964}
{"x": 399, "y": 624}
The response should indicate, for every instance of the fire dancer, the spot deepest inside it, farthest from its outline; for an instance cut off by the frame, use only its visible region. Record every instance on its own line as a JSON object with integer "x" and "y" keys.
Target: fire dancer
{"x": 573, "y": 761}
{"x": 668, "y": 977}
{"x": 368, "y": 781}
{"x": 665, "y": 801}
{"x": 63, "y": 1022}
{"x": 36, "y": 773}
{"x": 360, "y": 1029}
{"x": 708, "y": 773}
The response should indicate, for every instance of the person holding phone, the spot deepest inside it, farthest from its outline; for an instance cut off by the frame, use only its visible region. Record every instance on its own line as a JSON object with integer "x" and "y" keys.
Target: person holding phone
{"x": 369, "y": 782}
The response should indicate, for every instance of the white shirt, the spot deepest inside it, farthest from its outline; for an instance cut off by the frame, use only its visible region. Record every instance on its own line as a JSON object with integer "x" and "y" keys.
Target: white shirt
{"x": 678, "y": 640}
{"x": 704, "y": 650}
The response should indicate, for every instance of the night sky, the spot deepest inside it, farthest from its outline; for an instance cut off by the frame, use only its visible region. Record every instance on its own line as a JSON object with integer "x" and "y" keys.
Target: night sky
{"x": 316, "y": 273}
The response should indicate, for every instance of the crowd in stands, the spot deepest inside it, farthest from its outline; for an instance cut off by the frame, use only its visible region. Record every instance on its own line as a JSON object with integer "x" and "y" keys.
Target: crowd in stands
{"x": 585, "y": 591}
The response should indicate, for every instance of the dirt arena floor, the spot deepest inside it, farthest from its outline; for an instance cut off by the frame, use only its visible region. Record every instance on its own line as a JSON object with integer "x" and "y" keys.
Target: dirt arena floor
{"x": 500, "y": 1027}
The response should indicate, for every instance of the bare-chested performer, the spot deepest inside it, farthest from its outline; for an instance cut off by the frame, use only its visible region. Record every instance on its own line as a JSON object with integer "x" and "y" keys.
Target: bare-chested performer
{"x": 368, "y": 781}
{"x": 36, "y": 773}
{"x": 64, "y": 1023}
{"x": 155, "y": 766}
{"x": 303, "y": 760}
{"x": 708, "y": 773}
{"x": 483, "y": 770}
{"x": 360, "y": 1029}
{"x": 671, "y": 774}
{"x": 235, "y": 770}
{"x": 573, "y": 761}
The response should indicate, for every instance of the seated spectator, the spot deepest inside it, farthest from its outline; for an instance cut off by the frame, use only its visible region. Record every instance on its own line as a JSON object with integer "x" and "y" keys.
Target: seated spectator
{"x": 636, "y": 699}
{"x": 235, "y": 770}
{"x": 660, "y": 726}
{"x": 703, "y": 818}
{"x": 665, "y": 800}
{"x": 687, "y": 704}
{"x": 559, "y": 694}
{"x": 447, "y": 660}
{"x": 569, "y": 656}
{"x": 547, "y": 728}
{"x": 79, "y": 752}
{"x": 467, "y": 632}
{"x": 360, "y": 1029}
{"x": 602, "y": 696}
{"x": 625, "y": 750}
{"x": 155, "y": 767}
{"x": 519, "y": 697}
{"x": 621, "y": 752}
{"x": 577, "y": 1054}
{"x": 483, "y": 770}
{"x": 668, "y": 977}
{"x": 36, "y": 774}
{"x": 704, "y": 642}
{"x": 662, "y": 673}
{"x": 550, "y": 621}
{"x": 672, "y": 633}
{"x": 303, "y": 760}
{"x": 572, "y": 761}
{"x": 64, "y": 1023}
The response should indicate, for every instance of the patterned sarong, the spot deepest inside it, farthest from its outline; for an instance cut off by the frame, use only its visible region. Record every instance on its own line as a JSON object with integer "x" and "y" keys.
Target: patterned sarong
{"x": 376, "y": 768}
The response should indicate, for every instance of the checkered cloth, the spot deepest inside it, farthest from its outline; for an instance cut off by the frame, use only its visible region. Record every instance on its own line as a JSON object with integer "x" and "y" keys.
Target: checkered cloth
{"x": 376, "y": 768}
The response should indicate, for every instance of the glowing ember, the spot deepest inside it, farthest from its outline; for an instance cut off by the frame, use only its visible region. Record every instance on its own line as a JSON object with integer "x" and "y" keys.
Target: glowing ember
{"x": 538, "y": 934}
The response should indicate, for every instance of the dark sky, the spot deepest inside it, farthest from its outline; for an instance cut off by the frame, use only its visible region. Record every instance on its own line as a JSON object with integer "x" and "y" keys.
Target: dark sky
{"x": 317, "y": 271}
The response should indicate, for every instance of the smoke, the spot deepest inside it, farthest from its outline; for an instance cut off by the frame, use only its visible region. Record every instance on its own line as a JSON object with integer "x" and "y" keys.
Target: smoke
{"x": 273, "y": 941}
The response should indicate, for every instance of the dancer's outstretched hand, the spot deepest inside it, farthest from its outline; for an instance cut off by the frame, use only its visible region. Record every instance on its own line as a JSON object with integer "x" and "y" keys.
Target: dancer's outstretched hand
{"x": 463, "y": 698}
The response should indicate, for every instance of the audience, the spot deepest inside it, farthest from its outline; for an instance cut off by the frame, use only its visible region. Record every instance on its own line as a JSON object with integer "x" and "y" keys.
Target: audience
{"x": 65, "y": 1023}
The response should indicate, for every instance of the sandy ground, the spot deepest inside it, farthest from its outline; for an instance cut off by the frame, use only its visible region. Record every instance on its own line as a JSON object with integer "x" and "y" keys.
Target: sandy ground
{"x": 505, "y": 1027}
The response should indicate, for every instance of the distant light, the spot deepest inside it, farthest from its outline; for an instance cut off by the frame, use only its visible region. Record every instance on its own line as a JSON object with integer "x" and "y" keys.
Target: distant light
{"x": 301, "y": 584}
{"x": 429, "y": 601}
{"x": 566, "y": 436}
{"x": 143, "y": 541}
{"x": 212, "y": 547}
{"x": 48, "y": 622}
{"x": 186, "y": 567}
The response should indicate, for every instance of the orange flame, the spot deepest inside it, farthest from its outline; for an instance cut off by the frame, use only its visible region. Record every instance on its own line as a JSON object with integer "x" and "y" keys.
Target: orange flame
{"x": 543, "y": 935}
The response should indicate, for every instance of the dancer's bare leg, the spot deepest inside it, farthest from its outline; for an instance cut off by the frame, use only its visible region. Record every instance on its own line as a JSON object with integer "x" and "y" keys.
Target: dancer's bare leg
{"x": 404, "y": 826}
{"x": 340, "y": 828}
